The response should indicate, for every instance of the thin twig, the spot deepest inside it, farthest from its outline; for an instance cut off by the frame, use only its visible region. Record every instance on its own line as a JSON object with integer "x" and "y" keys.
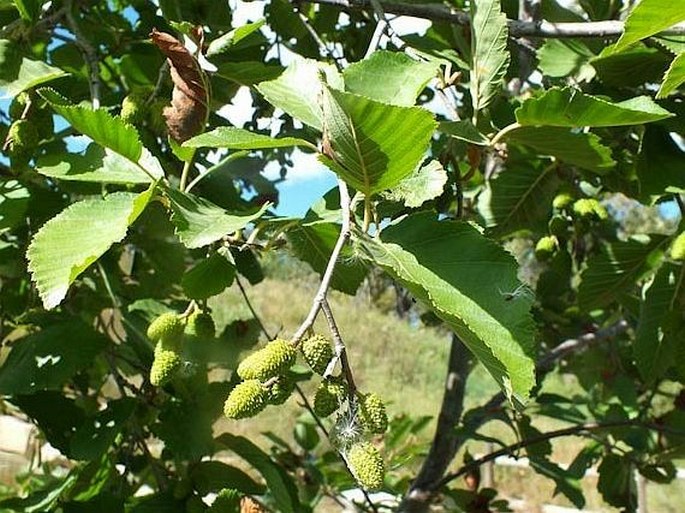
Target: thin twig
{"x": 90, "y": 55}
{"x": 517, "y": 28}
{"x": 340, "y": 350}
{"x": 332, "y": 261}
{"x": 243, "y": 292}
{"x": 323, "y": 47}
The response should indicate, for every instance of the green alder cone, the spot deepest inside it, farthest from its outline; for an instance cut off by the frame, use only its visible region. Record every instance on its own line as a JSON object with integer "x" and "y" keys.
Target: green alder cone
{"x": 678, "y": 248}
{"x": 317, "y": 353}
{"x": 165, "y": 365}
{"x": 372, "y": 414}
{"x": 246, "y": 400}
{"x": 200, "y": 325}
{"x": 590, "y": 209}
{"x": 328, "y": 397}
{"x": 133, "y": 108}
{"x": 168, "y": 326}
{"x": 562, "y": 201}
{"x": 18, "y": 105}
{"x": 227, "y": 501}
{"x": 366, "y": 465}
{"x": 155, "y": 118}
{"x": 281, "y": 390}
{"x": 546, "y": 247}
{"x": 22, "y": 138}
{"x": 274, "y": 359}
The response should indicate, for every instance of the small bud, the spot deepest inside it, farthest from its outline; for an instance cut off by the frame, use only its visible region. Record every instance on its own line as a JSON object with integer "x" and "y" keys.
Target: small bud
{"x": 22, "y": 138}
{"x": 19, "y": 104}
{"x": 270, "y": 361}
{"x": 317, "y": 353}
{"x": 366, "y": 465}
{"x": 200, "y": 325}
{"x": 247, "y": 399}
{"x": 281, "y": 390}
{"x": 546, "y": 247}
{"x": 133, "y": 107}
{"x": 590, "y": 209}
{"x": 164, "y": 366}
{"x": 328, "y": 397}
{"x": 678, "y": 248}
{"x": 372, "y": 415}
{"x": 562, "y": 201}
{"x": 167, "y": 326}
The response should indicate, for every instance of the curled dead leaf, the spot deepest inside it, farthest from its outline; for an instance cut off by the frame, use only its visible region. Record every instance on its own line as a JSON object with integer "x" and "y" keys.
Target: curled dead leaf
{"x": 248, "y": 505}
{"x": 187, "y": 114}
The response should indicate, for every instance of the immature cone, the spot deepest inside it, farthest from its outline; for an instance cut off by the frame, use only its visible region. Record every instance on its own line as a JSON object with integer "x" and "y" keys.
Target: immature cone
{"x": 227, "y": 501}
{"x": 678, "y": 247}
{"x": 165, "y": 365}
{"x": 274, "y": 359}
{"x": 372, "y": 415}
{"x": 366, "y": 465}
{"x": 562, "y": 200}
{"x": 317, "y": 353}
{"x": 167, "y": 326}
{"x": 328, "y": 397}
{"x": 546, "y": 247}
{"x": 200, "y": 325}
{"x": 281, "y": 390}
{"x": 133, "y": 108}
{"x": 22, "y": 138}
{"x": 18, "y": 105}
{"x": 247, "y": 399}
{"x": 590, "y": 208}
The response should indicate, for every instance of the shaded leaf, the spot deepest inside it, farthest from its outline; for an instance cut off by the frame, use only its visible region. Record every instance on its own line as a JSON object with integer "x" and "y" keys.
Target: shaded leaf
{"x": 635, "y": 66}
{"x": 389, "y": 77}
{"x": 566, "y": 484}
{"x": 213, "y": 476}
{"x": 92, "y": 439}
{"x": 571, "y": 108}
{"x": 208, "y": 277}
{"x": 563, "y": 58}
{"x": 232, "y": 37}
{"x": 674, "y": 77}
{"x": 14, "y": 202}
{"x": 661, "y": 163}
{"x": 239, "y": 139}
{"x": 616, "y": 269}
{"x": 616, "y": 481}
{"x": 200, "y": 222}
{"x": 464, "y": 131}
{"x": 646, "y": 18}
{"x": 18, "y": 73}
{"x": 71, "y": 241}
{"x": 460, "y": 275}
{"x": 424, "y": 184}
{"x": 374, "y": 145}
{"x": 248, "y": 73}
{"x": 489, "y": 54}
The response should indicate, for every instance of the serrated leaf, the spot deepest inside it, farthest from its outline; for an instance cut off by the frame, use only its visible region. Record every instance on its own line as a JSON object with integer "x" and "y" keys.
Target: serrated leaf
{"x": 646, "y": 18}
{"x": 571, "y": 108}
{"x": 208, "y": 277}
{"x": 655, "y": 343}
{"x": 99, "y": 125}
{"x": 298, "y": 90}
{"x": 616, "y": 269}
{"x": 375, "y": 145}
{"x": 582, "y": 149}
{"x": 96, "y": 164}
{"x": 214, "y": 476}
{"x": 518, "y": 198}
{"x": 389, "y": 77}
{"x": 489, "y": 54}
{"x": 464, "y": 131}
{"x": 232, "y": 37}
{"x": 674, "y": 77}
{"x": 18, "y": 73}
{"x": 314, "y": 242}
{"x": 566, "y": 483}
{"x": 279, "y": 484}
{"x": 47, "y": 359}
{"x": 460, "y": 275}
{"x": 424, "y": 184}
{"x": 200, "y": 222}
{"x": 616, "y": 481}
{"x": 76, "y": 237}
{"x": 239, "y": 139}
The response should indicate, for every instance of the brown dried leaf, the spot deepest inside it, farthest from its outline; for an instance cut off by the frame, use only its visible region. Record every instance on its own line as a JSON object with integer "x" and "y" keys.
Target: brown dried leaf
{"x": 248, "y": 505}
{"x": 188, "y": 111}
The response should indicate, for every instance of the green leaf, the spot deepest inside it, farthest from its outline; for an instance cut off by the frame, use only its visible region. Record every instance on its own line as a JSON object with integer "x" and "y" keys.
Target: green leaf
{"x": 214, "y": 476}
{"x": 314, "y": 242}
{"x": 14, "y": 202}
{"x": 375, "y": 145}
{"x": 248, "y": 73}
{"x": 279, "y": 484}
{"x": 389, "y": 77}
{"x": 647, "y": 18}
{"x": 424, "y": 184}
{"x": 655, "y": 342}
{"x": 200, "y": 222}
{"x": 47, "y": 359}
{"x": 562, "y": 58}
{"x": 99, "y": 125}
{"x": 632, "y": 68}
{"x": 97, "y": 434}
{"x": 97, "y": 164}
{"x": 571, "y": 108}
{"x": 209, "y": 277}
{"x": 616, "y": 269}
{"x": 71, "y": 241}
{"x": 582, "y": 149}
{"x": 28, "y": 9}
{"x": 566, "y": 484}
{"x": 464, "y": 131}
{"x": 233, "y": 37}
{"x": 518, "y": 198}
{"x": 616, "y": 481}
{"x": 239, "y": 139}
{"x": 489, "y": 54}
{"x": 660, "y": 163}
{"x": 45, "y": 499}
{"x": 298, "y": 90}
{"x": 18, "y": 73}
{"x": 674, "y": 77}
{"x": 464, "y": 278}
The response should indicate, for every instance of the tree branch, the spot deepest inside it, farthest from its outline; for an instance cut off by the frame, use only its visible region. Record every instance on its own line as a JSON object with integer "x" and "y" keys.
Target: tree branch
{"x": 90, "y": 55}
{"x": 517, "y": 28}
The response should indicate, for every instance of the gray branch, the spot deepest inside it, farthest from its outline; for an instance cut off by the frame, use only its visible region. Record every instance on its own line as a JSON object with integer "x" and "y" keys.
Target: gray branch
{"x": 517, "y": 28}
